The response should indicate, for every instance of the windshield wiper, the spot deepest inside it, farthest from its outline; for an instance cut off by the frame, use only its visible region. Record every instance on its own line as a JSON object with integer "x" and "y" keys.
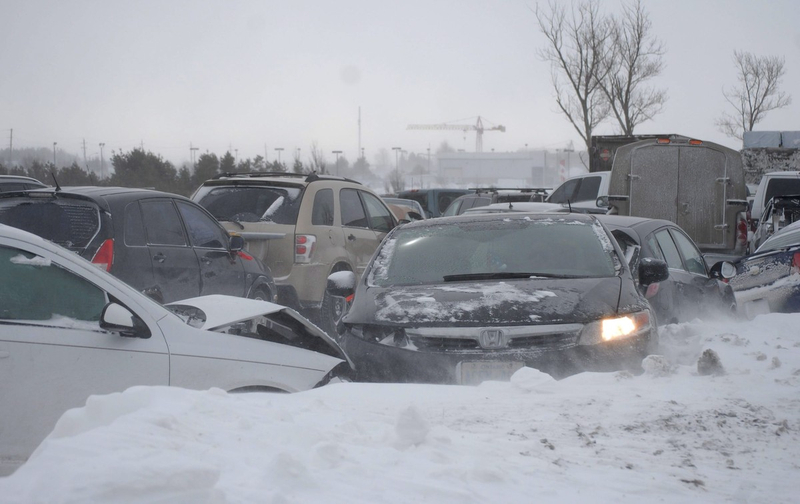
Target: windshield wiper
{"x": 501, "y": 275}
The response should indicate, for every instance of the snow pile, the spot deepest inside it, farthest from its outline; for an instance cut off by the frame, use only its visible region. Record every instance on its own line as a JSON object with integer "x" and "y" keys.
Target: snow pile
{"x": 671, "y": 434}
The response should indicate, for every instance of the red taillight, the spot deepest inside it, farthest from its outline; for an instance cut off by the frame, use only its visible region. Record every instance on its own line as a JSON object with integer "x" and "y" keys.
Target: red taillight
{"x": 796, "y": 263}
{"x": 303, "y": 248}
{"x": 741, "y": 227}
{"x": 244, "y": 255}
{"x": 104, "y": 257}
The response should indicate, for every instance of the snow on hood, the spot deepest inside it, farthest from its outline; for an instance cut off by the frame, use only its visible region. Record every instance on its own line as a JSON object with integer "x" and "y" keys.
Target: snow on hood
{"x": 221, "y": 310}
{"x": 522, "y": 302}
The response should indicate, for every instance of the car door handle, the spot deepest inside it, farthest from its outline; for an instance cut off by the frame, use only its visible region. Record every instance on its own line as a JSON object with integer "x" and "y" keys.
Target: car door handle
{"x": 160, "y": 257}
{"x": 351, "y": 237}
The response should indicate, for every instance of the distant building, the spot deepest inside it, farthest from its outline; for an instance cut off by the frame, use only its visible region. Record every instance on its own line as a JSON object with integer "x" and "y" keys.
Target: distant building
{"x": 534, "y": 168}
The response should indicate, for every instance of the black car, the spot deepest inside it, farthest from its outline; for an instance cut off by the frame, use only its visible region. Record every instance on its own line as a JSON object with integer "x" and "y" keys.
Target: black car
{"x": 162, "y": 244}
{"x": 10, "y": 183}
{"x": 475, "y": 297}
{"x": 769, "y": 279}
{"x": 692, "y": 289}
{"x": 483, "y": 197}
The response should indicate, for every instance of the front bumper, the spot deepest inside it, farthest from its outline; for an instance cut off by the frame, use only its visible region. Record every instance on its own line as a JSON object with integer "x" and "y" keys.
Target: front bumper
{"x": 377, "y": 362}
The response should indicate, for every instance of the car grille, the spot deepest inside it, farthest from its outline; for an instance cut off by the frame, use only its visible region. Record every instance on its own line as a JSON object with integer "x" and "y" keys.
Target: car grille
{"x": 505, "y": 338}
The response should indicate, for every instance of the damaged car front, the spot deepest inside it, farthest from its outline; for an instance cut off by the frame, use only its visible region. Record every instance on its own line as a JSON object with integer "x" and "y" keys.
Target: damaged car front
{"x": 474, "y": 298}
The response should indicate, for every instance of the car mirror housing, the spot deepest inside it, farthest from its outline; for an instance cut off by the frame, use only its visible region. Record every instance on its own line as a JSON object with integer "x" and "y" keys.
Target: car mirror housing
{"x": 236, "y": 243}
{"x": 723, "y": 270}
{"x": 341, "y": 283}
{"x": 602, "y": 202}
{"x": 116, "y": 318}
{"x": 652, "y": 271}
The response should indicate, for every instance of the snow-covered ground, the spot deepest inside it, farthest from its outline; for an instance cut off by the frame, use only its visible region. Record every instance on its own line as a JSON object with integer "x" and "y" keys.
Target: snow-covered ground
{"x": 669, "y": 435}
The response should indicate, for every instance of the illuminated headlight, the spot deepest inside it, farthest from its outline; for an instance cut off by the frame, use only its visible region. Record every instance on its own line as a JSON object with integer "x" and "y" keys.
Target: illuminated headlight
{"x": 611, "y": 329}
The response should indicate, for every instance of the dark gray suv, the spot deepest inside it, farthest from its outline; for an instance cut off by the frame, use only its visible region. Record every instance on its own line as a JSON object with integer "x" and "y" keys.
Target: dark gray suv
{"x": 163, "y": 244}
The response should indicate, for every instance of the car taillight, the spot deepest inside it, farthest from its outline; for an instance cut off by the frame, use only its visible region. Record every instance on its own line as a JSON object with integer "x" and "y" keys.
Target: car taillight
{"x": 741, "y": 229}
{"x": 303, "y": 248}
{"x": 104, "y": 257}
{"x": 796, "y": 263}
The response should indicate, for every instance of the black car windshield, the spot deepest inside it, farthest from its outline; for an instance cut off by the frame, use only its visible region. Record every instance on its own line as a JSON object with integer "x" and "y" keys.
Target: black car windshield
{"x": 493, "y": 250}
{"x": 251, "y": 203}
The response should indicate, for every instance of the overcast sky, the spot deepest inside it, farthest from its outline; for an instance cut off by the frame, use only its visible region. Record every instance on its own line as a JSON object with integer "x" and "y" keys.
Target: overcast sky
{"x": 242, "y": 74}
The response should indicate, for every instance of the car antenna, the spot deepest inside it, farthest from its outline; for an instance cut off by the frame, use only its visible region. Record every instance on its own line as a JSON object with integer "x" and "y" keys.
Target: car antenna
{"x": 58, "y": 187}
{"x": 570, "y": 206}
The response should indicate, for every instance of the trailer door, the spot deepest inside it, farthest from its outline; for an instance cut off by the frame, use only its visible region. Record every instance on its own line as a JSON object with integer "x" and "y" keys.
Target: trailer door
{"x": 702, "y": 186}
{"x": 653, "y": 188}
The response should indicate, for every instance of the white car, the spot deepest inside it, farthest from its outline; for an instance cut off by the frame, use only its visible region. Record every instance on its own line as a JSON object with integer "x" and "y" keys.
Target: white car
{"x": 69, "y": 330}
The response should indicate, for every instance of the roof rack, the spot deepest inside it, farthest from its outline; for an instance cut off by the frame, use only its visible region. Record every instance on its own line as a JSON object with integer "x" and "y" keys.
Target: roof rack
{"x": 520, "y": 189}
{"x": 312, "y": 177}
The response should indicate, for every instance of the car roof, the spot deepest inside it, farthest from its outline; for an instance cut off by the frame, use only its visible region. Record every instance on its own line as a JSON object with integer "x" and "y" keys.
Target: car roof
{"x": 21, "y": 178}
{"x": 101, "y": 195}
{"x": 483, "y": 217}
{"x": 517, "y": 206}
{"x": 284, "y": 178}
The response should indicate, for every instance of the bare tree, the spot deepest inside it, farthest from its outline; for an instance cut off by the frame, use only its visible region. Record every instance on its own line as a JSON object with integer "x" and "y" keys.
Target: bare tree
{"x": 636, "y": 56}
{"x": 578, "y": 44}
{"x": 758, "y": 92}
{"x": 318, "y": 163}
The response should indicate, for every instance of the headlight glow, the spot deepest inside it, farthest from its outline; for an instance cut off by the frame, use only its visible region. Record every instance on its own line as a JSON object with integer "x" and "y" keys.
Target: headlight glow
{"x": 622, "y": 327}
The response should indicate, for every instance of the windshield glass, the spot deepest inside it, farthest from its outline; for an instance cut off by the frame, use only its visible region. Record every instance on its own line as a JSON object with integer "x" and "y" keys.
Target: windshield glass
{"x": 251, "y": 203}
{"x": 494, "y": 249}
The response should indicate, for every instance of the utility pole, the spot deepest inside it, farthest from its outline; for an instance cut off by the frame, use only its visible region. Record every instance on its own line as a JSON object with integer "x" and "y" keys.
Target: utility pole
{"x": 10, "y": 147}
{"x": 359, "y": 132}
{"x": 54, "y": 154}
{"x": 193, "y": 156}
{"x": 102, "y": 166}
{"x": 265, "y": 155}
{"x": 337, "y": 152}
{"x": 84, "y": 155}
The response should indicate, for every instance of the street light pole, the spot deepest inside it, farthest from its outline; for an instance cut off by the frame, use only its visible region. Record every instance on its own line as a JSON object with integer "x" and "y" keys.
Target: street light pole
{"x": 337, "y": 152}
{"x": 193, "y": 156}
{"x": 278, "y": 150}
{"x": 102, "y": 167}
{"x": 396, "y": 151}
{"x": 54, "y": 154}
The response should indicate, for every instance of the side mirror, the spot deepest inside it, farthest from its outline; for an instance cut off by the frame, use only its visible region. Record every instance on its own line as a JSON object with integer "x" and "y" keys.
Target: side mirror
{"x": 116, "y": 318}
{"x": 722, "y": 270}
{"x": 414, "y": 216}
{"x": 652, "y": 271}
{"x": 341, "y": 284}
{"x": 236, "y": 243}
{"x": 602, "y": 202}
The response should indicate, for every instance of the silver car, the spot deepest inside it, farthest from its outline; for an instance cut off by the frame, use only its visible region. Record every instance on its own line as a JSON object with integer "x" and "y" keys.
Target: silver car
{"x": 69, "y": 330}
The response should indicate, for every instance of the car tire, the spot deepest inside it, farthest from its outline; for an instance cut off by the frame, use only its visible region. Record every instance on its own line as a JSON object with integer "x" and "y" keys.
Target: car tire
{"x": 332, "y": 309}
{"x": 260, "y": 294}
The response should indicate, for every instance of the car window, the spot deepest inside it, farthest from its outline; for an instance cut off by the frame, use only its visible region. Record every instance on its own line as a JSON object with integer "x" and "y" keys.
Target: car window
{"x": 692, "y": 256}
{"x": 588, "y": 189}
{"x": 68, "y": 222}
{"x": 654, "y": 248}
{"x": 380, "y": 218}
{"x": 560, "y": 248}
{"x": 564, "y": 192}
{"x": 781, "y": 186}
{"x": 251, "y": 203}
{"x": 353, "y": 214}
{"x": 134, "y": 226}
{"x": 204, "y": 232}
{"x": 454, "y": 207}
{"x": 163, "y": 223}
{"x": 668, "y": 248}
{"x": 35, "y": 289}
{"x": 322, "y": 213}
{"x": 444, "y": 198}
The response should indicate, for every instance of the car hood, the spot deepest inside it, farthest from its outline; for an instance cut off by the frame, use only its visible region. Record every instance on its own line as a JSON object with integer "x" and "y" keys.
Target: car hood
{"x": 528, "y": 301}
{"x": 220, "y": 312}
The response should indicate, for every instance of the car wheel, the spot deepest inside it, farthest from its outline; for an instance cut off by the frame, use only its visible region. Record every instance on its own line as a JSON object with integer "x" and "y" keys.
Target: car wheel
{"x": 331, "y": 311}
{"x": 260, "y": 294}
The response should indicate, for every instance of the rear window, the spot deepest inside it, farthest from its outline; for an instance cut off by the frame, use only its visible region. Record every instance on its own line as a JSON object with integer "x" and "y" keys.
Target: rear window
{"x": 782, "y": 187}
{"x": 69, "y": 223}
{"x": 557, "y": 247}
{"x": 251, "y": 203}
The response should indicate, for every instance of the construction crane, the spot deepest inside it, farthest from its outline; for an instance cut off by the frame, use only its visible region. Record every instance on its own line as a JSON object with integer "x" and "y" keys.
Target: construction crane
{"x": 477, "y": 127}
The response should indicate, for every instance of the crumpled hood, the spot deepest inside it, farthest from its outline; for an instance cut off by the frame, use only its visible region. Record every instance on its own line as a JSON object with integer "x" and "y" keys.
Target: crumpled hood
{"x": 528, "y": 301}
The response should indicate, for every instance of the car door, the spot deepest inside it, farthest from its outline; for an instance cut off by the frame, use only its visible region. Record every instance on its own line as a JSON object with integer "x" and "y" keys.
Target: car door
{"x": 221, "y": 272}
{"x": 360, "y": 240}
{"x": 684, "y": 292}
{"x": 53, "y": 353}
{"x": 701, "y": 291}
{"x": 176, "y": 270}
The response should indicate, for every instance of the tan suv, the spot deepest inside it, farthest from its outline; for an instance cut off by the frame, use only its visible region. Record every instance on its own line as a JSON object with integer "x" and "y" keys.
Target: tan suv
{"x": 304, "y": 227}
